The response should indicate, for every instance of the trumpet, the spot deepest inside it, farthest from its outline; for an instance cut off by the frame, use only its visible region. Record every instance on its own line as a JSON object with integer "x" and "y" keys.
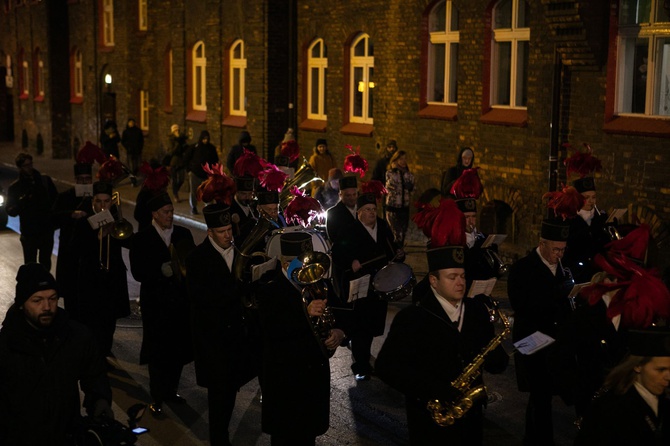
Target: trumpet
{"x": 121, "y": 229}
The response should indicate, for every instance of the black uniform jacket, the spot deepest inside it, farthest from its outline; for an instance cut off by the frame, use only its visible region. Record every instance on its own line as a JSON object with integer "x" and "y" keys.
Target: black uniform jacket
{"x": 338, "y": 218}
{"x": 166, "y": 334}
{"x": 424, "y": 352}
{"x": 221, "y": 347}
{"x": 242, "y": 228}
{"x": 296, "y": 374}
{"x": 626, "y": 420}
{"x": 40, "y": 374}
{"x": 584, "y": 243}
{"x": 540, "y": 303}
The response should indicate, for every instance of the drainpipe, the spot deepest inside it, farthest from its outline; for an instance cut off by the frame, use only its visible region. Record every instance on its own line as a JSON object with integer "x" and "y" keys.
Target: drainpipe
{"x": 555, "y": 121}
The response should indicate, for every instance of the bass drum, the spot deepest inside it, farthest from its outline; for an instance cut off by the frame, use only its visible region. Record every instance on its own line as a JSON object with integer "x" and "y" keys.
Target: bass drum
{"x": 393, "y": 282}
{"x": 319, "y": 242}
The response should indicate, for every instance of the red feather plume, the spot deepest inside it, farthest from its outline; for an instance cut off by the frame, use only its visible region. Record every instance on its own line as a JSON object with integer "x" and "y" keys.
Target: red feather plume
{"x": 272, "y": 178}
{"x": 217, "y": 187}
{"x": 302, "y": 209}
{"x": 468, "y": 185}
{"x": 291, "y": 149}
{"x": 90, "y": 153}
{"x": 565, "y": 203}
{"x": 582, "y": 163}
{"x": 634, "y": 244}
{"x": 375, "y": 187}
{"x": 354, "y": 162}
{"x": 445, "y": 224}
{"x": 249, "y": 164}
{"x": 155, "y": 179}
{"x": 111, "y": 170}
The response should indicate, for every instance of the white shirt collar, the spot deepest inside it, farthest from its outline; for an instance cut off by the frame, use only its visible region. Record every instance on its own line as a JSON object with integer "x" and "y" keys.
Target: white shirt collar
{"x": 587, "y": 215}
{"x": 647, "y": 396}
{"x": 551, "y": 267}
{"x": 244, "y": 207}
{"x": 372, "y": 231}
{"x": 455, "y": 312}
{"x": 228, "y": 254}
{"x": 165, "y": 234}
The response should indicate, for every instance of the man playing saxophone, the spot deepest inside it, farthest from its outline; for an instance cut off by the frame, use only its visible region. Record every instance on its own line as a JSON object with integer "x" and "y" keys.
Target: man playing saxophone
{"x": 430, "y": 344}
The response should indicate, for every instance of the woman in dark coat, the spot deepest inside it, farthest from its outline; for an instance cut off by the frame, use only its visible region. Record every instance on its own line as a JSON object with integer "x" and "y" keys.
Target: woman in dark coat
{"x": 465, "y": 160}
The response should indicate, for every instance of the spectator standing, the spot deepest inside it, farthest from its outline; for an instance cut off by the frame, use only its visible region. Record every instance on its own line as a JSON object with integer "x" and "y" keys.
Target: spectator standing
{"x": 243, "y": 142}
{"x": 400, "y": 185}
{"x": 31, "y": 197}
{"x": 133, "y": 140}
{"x": 465, "y": 160}
{"x": 203, "y": 152}
{"x": 177, "y": 162}
{"x": 45, "y": 358}
{"x": 379, "y": 172}
{"x": 288, "y": 136}
{"x": 321, "y": 161}
{"x": 110, "y": 139}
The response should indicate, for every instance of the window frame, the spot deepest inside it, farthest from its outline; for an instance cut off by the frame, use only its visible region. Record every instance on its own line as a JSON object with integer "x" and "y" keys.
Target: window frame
{"x": 366, "y": 63}
{"x": 38, "y": 76}
{"x": 142, "y": 15}
{"x": 169, "y": 76}
{"x": 199, "y": 81}
{"x": 76, "y": 76}
{"x": 144, "y": 110}
{"x": 238, "y": 94}
{"x": 448, "y": 37}
{"x": 107, "y": 29}
{"x": 24, "y": 89}
{"x": 319, "y": 63}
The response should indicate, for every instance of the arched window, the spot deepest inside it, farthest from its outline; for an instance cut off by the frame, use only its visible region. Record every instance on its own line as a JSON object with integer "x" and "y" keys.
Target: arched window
{"x": 238, "y": 69}
{"x": 362, "y": 83}
{"x": 38, "y": 76}
{"x": 78, "y": 75}
{"x": 643, "y": 59}
{"x": 442, "y": 85}
{"x": 317, "y": 68}
{"x": 509, "y": 58}
{"x": 199, "y": 91}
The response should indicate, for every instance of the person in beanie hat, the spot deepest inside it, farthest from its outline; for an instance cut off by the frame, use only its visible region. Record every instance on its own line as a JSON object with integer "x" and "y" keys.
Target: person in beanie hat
{"x": 429, "y": 343}
{"x": 295, "y": 392}
{"x": 321, "y": 161}
{"x": 243, "y": 142}
{"x": 157, "y": 261}
{"x": 633, "y": 406}
{"x": 343, "y": 213}
{"x": 45, "y": 358}
{"x": 363, "y": 248}
{"x": 379, "y": 172}
{"x": 225, "y": 358}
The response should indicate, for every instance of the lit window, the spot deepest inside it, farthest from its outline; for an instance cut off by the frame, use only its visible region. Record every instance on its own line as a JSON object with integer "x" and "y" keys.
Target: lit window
{"x": 144, "y": 110}
{"x": 509, "y": 64}
{"x": 362, "y": 81}
{"x": 143, "y": 18}
{"x": 199, "y": 75}
{"x": 443, "y": 54}
{"x": 108, "y": 22}
{"x": 38, "y": 75}
{"x": 238, "y": 68}
{"x": 78, "y": 75}
{"x": 643, "y": 60}
{"x": 317, "y": 68}
{"x": 170, "y": 80}
{"x": 23, "y": 75}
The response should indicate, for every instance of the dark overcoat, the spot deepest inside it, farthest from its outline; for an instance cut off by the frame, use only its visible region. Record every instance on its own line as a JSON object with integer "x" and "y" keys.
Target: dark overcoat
{"x": 223, "y": 355}
{"x": 424, "y": 352}
{"x": 584, "y": 242}
{"x": 166, "y": 333}
{"x": 242, "y": 228}
{"x": 338, "y": 218}
{"x": 296, "y": 374}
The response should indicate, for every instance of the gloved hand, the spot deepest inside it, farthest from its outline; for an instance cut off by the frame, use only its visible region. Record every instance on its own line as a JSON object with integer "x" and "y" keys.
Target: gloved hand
{"x": 166, "y": 269}
{"x": 103, "y": 409}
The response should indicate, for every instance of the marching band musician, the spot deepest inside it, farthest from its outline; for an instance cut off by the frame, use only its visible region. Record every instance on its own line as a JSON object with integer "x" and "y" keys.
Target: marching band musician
{"x": 243, "y": 217}
{"x": 268, "y": 207}
{"x": 296, "y": 373}
{"x": 343, "y": 213}
{"x": 365, "y": 246}
{"x": 156, "y": 259}
{"x": 536, "y": 291}
{"x": 223, "y": 356}
{"x": 430, "y": 344}
{"x": 102, "y": 284}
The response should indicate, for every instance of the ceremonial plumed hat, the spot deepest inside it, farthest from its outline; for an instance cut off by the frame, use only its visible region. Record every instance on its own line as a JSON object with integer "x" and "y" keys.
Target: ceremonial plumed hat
{"x": 282, "y": 160}
{"x": 650, "y": 342}
{"x": 584, "y": 184}
{"x": 267, "y": 197}
{"x": 158, "y": 201}
{"x": 244, "y": 184}
{"x": 217, "y": 215}
{"x": 364, "y": 199}
{"x": 555, "y": 230}
{"x": 31, "y": 278}
{"x": 348, "y": 182}
{"x": 295, "y": 243}
{"x": 102, "y": 187}
{"x": 467, "y": 205}
{"x": 445, "y": 257}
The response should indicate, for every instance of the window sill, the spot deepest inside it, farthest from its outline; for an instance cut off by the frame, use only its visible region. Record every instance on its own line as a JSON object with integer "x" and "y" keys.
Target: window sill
{"x": 235, "y": 121}
{"x": 444, "y": 112}
{"x": 23, "y": 96}
{"x": 167, "y": 109}
{"x": 197, "y": 116}
{"x": 630, "y": 125}
{"x": 357, "y": 129}
{"x": 505, "y": 116}
{"x": 77, "y": 100}
{"x": 313, "y": 125}
{"x": 105, "y": 48}
{"x": 38, "y": 99}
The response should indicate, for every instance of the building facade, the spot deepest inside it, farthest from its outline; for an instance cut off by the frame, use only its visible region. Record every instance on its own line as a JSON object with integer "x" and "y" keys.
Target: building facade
{"x": 513, "y": 79}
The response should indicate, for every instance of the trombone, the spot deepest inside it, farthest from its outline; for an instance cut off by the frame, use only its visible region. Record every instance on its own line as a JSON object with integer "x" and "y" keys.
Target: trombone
{"x": 121, "y": 230}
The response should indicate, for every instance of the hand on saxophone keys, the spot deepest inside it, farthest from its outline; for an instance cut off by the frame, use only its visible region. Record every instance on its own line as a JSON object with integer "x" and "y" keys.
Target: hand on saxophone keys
{"x": 317, "y": 307}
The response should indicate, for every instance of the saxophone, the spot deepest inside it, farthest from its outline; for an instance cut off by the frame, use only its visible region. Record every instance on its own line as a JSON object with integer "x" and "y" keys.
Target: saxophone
{"x": 446, "y": 414}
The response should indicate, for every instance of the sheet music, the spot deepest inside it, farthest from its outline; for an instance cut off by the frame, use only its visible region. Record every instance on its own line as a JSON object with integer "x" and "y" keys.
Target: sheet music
{"x": 482, "y": 287}
{"x": 616, "y": 213}
{"x": 533, "y": 343}
{"x": 257, "y": 271}
{"x": 576, "y": 288}
{"x": 100, "y": 219}
{"x": 358, "y": 288}
{"x": 494, "y": 239}
{"x": 83, "y": 190}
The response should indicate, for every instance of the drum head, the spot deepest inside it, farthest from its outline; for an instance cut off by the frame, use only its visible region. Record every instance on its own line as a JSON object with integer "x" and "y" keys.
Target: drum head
{"x": 392, "y": 277}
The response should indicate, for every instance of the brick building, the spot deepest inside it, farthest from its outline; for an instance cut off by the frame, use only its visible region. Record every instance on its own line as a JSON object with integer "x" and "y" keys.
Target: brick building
{"x": 513, "y": 79}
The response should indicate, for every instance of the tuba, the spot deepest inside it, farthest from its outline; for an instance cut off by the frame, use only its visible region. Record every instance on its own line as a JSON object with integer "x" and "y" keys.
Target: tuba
{"x": 446, "y": 413}
{"x": 241, "y": 267}
{"x": 303, "y": 176}
{"x": 121, "y": 229}
{"x": 315, "y": 266}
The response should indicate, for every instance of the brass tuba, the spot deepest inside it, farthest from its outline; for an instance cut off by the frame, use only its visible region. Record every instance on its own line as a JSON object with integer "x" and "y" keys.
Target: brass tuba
{"x": 303, "y": 176}
{"x": 241, "y": 267}
{"x": 446, "y": 413}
